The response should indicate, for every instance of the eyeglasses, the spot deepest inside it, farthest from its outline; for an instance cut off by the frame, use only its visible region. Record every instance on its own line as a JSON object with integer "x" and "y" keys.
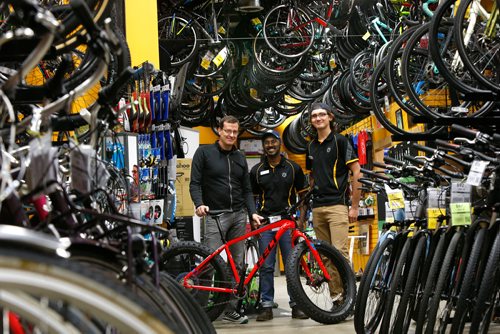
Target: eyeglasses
{"x": 319, "y": 115}
{"x": 229, "y": 132}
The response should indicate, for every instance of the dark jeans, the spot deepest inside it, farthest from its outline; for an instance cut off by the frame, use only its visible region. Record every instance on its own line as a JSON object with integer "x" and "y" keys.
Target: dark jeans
{"x": 267, "y": 269}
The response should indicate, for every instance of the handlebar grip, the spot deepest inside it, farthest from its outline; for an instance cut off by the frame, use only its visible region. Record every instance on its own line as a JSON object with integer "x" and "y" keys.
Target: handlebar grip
{"x": 424, "y": 148}
{"x": 67, "y": 122}
{"x": 393, "y": 161}
{"x": 380, "y": 165}
{"x": 413, "y": 160}
{"x": 375, "y": 175}
{"x": 449, "y": 173}
{"x": 447, "y": 145}
{"x": 464, "y": 131}
{"x": 82, "y": 11}
{"x": 108, "y": 94}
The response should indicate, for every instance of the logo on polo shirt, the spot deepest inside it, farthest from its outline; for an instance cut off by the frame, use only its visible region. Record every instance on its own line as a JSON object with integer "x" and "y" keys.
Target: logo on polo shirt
{"x": 283, "y": 174}
{"x": 328, "y": 150}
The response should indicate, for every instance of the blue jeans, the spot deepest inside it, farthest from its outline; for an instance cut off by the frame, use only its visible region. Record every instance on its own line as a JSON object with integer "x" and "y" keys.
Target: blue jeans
{"x": 267, "y": 269}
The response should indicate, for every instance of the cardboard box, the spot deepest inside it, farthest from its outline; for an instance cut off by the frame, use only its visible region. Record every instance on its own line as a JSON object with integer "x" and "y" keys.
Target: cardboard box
{"x": 184, "y": 204}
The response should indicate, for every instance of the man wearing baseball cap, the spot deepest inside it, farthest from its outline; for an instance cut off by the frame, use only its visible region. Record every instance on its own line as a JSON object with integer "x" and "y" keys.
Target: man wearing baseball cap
{"x": 276, "y": 181}
{"x": 331, "y": 158}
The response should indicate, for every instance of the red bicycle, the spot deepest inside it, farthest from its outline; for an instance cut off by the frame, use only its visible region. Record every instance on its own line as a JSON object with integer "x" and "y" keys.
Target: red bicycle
{"x": 309, "y": 270}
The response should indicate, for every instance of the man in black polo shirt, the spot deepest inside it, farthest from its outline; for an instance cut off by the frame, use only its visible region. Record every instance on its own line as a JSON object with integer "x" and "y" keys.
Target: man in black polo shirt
{"x": 331, "y": 158}
{"x": 276, "y": 181}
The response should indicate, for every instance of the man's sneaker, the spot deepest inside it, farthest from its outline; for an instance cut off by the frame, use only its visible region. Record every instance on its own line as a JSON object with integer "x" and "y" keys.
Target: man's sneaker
{"x": 266, "y": 314}
{"x": 235, "y": 317}
{"x": 298, "y": 314}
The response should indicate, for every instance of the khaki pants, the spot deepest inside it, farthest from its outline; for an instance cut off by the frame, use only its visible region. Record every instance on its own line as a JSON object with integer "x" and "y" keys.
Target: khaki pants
{"x": 331, "y": 224}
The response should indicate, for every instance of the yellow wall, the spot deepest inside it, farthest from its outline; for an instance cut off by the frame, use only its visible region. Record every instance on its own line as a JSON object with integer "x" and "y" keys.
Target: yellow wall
{"x": 141, "y": 26}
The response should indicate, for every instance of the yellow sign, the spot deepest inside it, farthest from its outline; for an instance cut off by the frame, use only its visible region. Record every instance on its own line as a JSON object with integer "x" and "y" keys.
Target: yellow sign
{"x": 460, "y": 214}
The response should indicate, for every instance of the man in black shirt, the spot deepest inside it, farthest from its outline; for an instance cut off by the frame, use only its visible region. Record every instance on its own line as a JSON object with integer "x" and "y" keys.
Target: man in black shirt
{"x": 331, "y": 158}
{"x": 276, "y": 181}
{"x": 220, "y": 181}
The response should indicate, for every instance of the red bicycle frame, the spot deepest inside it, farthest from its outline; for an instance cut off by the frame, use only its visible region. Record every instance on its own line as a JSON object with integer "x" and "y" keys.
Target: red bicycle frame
{"x": 282, "y": 225}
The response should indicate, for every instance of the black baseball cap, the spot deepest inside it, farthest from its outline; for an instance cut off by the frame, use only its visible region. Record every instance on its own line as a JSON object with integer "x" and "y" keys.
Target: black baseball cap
{"x": 321, "y": 105}
{"x": 271, "y": 133}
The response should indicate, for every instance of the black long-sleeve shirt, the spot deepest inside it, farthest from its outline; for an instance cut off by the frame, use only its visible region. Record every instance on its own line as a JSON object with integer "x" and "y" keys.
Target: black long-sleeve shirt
{"x": 220, "y": 179}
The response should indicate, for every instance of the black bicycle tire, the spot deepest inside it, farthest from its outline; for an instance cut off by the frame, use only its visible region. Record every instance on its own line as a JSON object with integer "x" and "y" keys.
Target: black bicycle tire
{"x": 398, "y": 280}
{"x": 416, "y": 99}
{"x": 436, "y": 24}
{"x": 463, "y": 10}
{"x": 56, "y": 269}
{"x": 410, "y": 293}
{"x": 443, "y": 277}
{"x": 189, "y": 247}
{"x": 360, "y": 323}
{"x": 292, "y": 270}
{"x": 464, "y": 304}
{"x": 435, "y": 266}
{"x": 489, "y": 283}
{"x": 192, "y": 311}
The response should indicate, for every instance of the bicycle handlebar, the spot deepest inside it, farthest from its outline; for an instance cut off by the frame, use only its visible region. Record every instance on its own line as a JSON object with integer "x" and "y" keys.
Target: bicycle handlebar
{"x": 393, "y": 161}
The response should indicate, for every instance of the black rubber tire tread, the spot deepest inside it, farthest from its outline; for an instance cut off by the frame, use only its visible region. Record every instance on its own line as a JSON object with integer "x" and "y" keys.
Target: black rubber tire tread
{"x": 488, "y": 290}
{"x": 56, "y": 269}
{"x": 364, "y": 289}
{"x": 293, "y": 277}
{"x": 191, "y": 311}
{"x": 430, "y": 282}
{"x": 443, "y": 279}
{"x": 464, "y": 304}
{"x": 190, "y": 247}
{"x": 110, "y": 265}
{"x": 397, "y": 284}
{"x": 412, "y": 286}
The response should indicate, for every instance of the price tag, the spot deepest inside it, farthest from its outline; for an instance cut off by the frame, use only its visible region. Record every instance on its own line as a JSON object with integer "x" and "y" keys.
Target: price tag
{"x": 476, "y": 172}
{"x": 253, "y": 93}
{"x": 460, "y": 192}
{"x": 274, "y": 219}
{"x": 221, "y": 57}
{"x": 395, "y": 197}
{"x": 333, "y": 64}
{"x": 432, "y": 217}
{"x": 366, "y": 35}
{"x": 207, "y": 59}
{"x": 460, "y": 214}
{"x": 244, "y": 59}
{"x": 389, "y": 214}
{"x": 165, "y": 88}
{"x": 435, "y": 198}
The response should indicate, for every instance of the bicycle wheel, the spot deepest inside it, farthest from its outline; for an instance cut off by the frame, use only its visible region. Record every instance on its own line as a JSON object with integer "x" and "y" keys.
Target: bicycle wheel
{"x": 44, "y": 276}
{"x": 309, "y": 288}
{"x": 288, "y": 31}
{"x": 178, "y": 39}
{"x": 488, "y": 296}
{"x": 397, "y": 286}
{"x": 476, "y": 30}
{"x": 465, "y": 303}
{"x": 439, "y": 313}
{"x": 192, "y": 314}
{"x": 372, "y": 290}
{"x": 182, "y": 258}
{"x": 413, "y": 286}
{"x": 430, "y": 283}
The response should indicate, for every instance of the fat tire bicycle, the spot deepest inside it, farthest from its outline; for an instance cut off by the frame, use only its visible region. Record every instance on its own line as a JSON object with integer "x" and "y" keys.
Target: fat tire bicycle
{"x": 308, "y": 271}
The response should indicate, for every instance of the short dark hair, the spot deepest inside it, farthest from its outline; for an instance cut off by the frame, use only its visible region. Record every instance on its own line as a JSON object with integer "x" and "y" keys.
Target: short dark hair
{"x": 228, "y": 119}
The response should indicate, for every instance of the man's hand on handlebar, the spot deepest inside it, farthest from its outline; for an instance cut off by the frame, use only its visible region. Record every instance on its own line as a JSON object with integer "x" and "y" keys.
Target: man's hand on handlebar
{"x": 256, "y": 221}
{"x": 202, "y": 210}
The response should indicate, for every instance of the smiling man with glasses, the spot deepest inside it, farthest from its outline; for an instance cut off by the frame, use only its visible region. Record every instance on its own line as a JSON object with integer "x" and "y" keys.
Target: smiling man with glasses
{"x": 331, "y": 158}
{"x": 220, "y": 181}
